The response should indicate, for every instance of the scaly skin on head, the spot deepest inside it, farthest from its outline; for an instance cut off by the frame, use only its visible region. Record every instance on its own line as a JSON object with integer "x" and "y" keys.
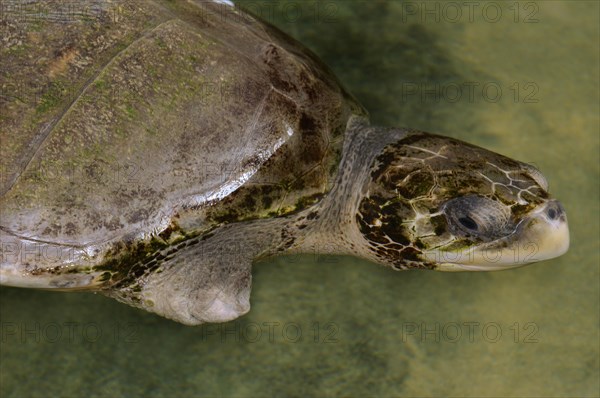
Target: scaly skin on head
{"x": 428, "y": 201}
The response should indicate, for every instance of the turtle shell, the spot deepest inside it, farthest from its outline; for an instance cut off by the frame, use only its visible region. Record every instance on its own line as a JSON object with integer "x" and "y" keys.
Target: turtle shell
{"x": 142, "y": 121}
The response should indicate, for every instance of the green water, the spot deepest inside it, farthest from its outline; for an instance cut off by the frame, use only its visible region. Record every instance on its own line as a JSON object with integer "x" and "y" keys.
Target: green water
{"x": 366, "y": 330}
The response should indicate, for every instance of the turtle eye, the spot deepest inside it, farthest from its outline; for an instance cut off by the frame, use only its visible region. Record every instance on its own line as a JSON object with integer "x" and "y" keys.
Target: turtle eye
{"x": 468, "y": 223}
{"x": 476, "y": 216}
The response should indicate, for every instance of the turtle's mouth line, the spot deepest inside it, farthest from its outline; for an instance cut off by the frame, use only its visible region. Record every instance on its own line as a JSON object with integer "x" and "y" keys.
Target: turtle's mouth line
{"x": 543, "y": 235}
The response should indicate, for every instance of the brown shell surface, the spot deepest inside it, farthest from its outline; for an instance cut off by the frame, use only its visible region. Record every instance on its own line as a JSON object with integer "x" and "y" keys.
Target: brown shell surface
{"x": 122, "y": 120}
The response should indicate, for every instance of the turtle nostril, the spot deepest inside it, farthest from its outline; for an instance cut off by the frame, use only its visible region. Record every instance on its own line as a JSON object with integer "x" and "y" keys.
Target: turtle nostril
{"x": 554, "y": 210}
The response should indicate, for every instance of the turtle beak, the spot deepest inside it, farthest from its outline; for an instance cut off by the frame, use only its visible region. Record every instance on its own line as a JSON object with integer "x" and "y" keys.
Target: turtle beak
{"x": 542, "y": 235}
{"x": 548, "y": 230}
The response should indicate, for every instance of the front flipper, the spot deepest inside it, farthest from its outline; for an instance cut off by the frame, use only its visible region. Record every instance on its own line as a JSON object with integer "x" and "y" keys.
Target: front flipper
{"x": 196, "y": 284}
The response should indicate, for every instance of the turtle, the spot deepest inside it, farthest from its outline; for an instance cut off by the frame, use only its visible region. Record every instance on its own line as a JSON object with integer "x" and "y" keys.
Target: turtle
{"x": 152, "y": 151}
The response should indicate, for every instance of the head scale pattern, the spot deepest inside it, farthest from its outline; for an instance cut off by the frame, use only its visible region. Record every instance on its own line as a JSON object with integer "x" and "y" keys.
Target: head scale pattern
{"x": 429, "y": 192}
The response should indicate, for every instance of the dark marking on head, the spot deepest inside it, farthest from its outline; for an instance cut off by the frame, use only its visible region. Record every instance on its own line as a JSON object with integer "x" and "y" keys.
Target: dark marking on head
{"x": 439, "y": 224}
{"x": 307, "y": 124}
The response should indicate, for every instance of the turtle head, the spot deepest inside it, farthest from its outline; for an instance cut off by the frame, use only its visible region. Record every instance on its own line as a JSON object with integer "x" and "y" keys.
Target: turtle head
{"x": 440, "y": 203}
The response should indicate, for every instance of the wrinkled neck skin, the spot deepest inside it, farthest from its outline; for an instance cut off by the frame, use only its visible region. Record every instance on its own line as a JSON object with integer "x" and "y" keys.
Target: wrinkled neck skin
{"x": 330, "y": 227}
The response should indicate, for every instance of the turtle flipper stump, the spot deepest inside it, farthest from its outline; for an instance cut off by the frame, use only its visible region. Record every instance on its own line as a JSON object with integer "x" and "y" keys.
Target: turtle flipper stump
{"x": 202, "y": 283}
